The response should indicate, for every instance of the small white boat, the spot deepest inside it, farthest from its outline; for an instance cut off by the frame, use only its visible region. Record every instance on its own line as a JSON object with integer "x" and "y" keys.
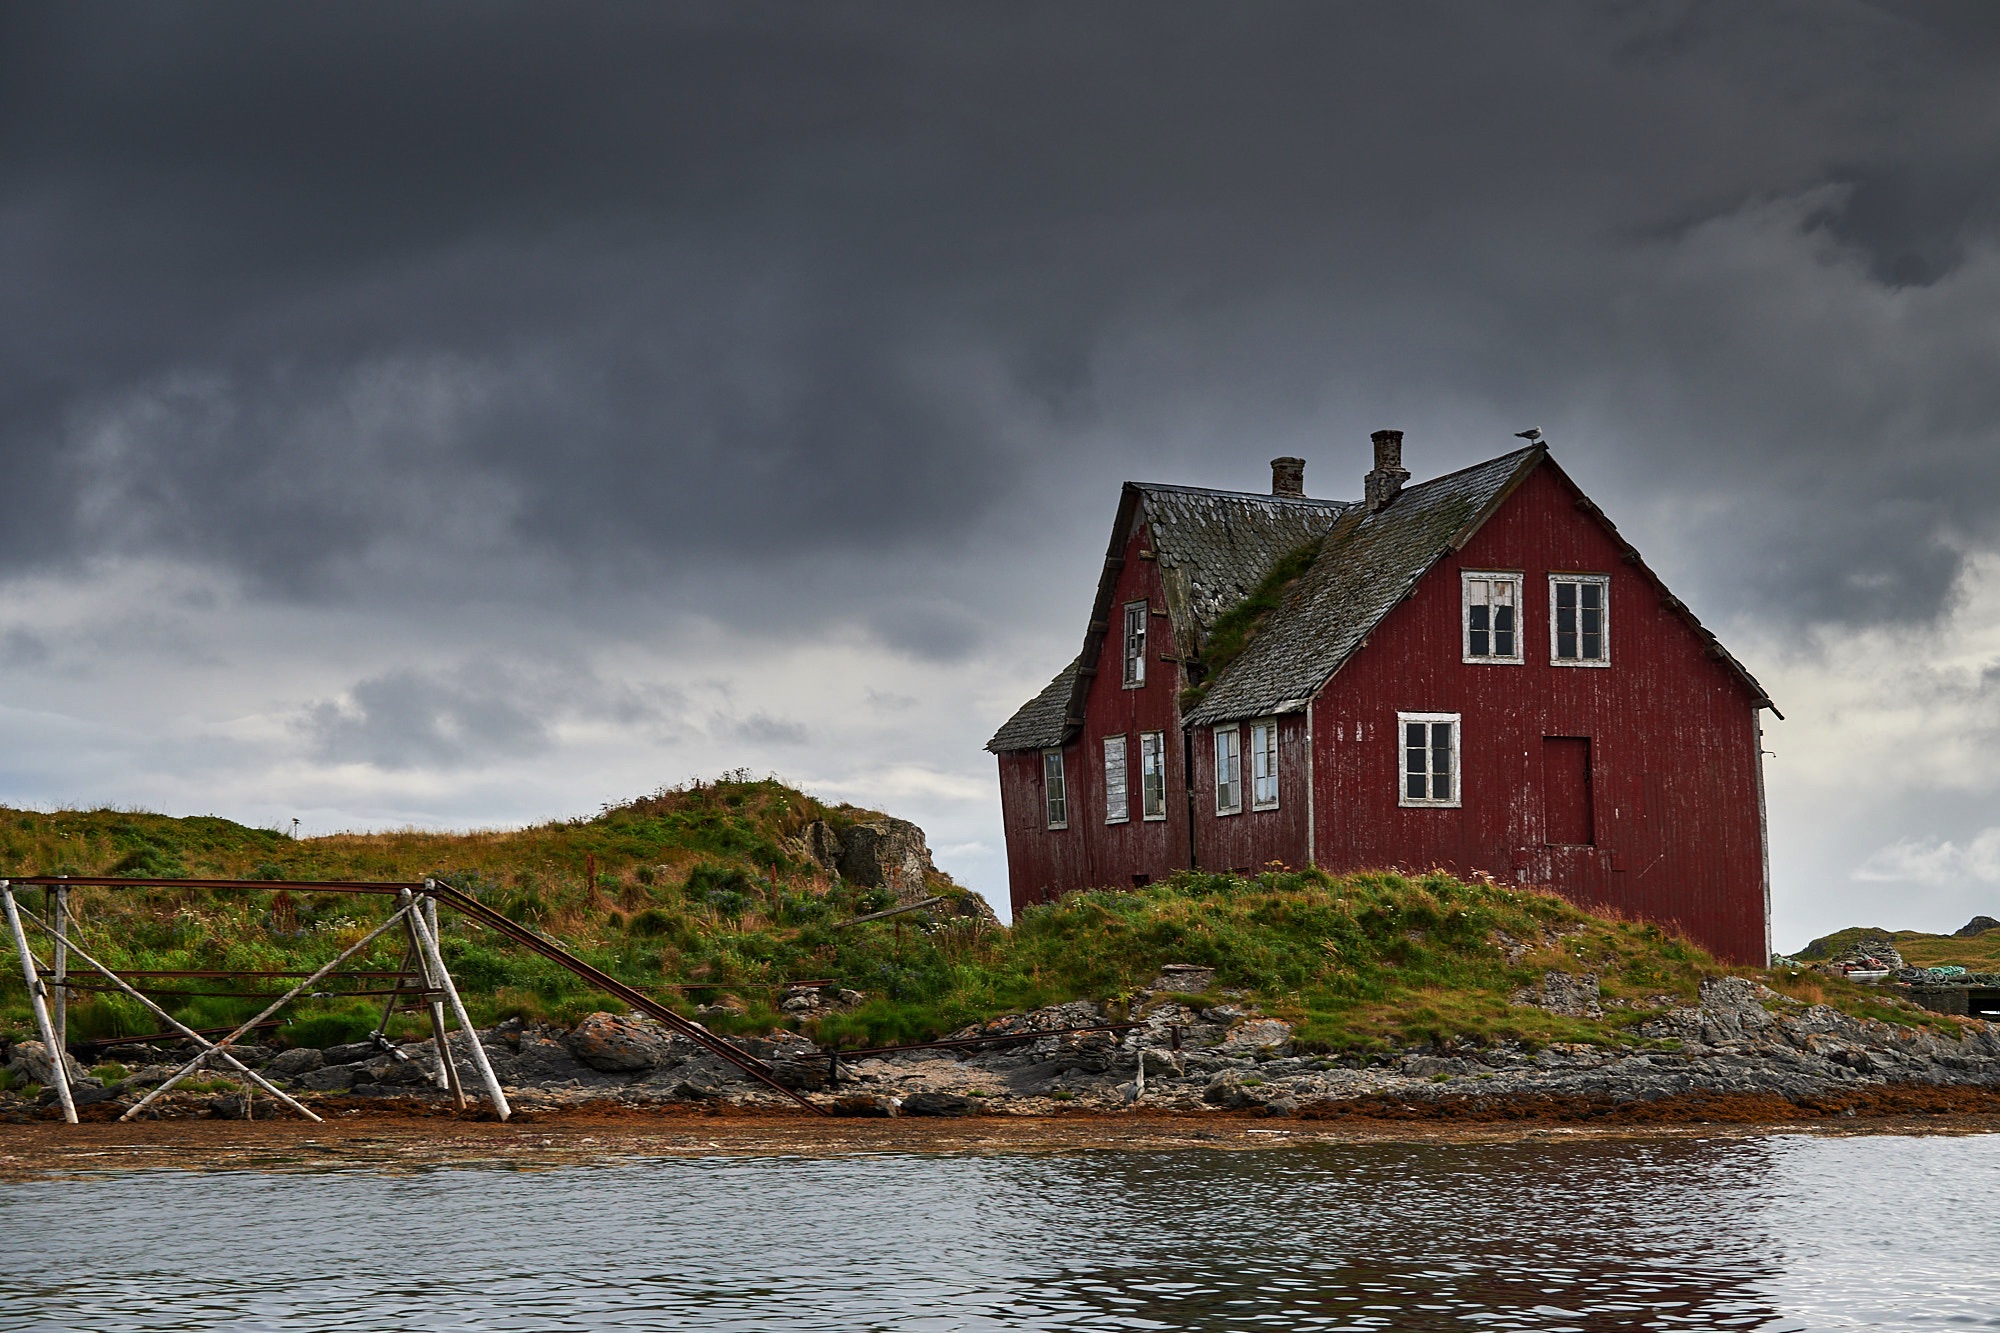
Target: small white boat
{"x": 1864, "y": 972}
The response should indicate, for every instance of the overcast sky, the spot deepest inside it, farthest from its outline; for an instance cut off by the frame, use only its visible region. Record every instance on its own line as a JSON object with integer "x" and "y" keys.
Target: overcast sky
{"x": 465, "y": 415}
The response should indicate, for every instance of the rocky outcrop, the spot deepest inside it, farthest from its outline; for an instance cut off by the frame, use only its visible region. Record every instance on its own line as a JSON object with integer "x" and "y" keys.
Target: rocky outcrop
{"x": 1979, "y": 925}
{"x": 1564, "y": 993}
{"x": 880, "y": 854}
{"x": 29, "y": 1062}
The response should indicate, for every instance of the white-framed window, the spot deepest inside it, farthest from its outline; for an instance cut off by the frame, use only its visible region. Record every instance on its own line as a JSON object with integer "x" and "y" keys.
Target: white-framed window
{"x": 1491, "y": 628}
{"x": 1152, "y": 775}
{"x": 1580, "y": 619}
{"x": 1117, "y": 784}
{"x": 1229, "y": 770}
{"x": 1428, "y": 769}
{"x": 1264, "y": 764}
{"x": 1055, "y": 791}
{"x": 1135, "y": 644}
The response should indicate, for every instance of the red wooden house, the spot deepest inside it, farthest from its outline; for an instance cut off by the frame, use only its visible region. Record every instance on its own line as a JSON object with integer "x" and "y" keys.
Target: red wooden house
{"x": 1476, "y": 672}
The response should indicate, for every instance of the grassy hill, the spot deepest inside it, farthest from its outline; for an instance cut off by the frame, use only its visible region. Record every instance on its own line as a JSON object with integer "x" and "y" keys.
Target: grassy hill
{"x": 695, "y": 894}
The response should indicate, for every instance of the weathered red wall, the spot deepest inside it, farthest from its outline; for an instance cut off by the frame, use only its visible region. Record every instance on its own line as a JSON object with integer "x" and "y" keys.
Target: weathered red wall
{"x": 1673, "y": 742}
{"x": 1044, "y": 862}
{"x": 1252, "y": 840}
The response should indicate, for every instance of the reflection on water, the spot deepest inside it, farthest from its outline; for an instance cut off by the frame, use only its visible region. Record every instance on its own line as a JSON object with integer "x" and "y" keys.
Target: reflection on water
{"x": 1792, "y": 1233}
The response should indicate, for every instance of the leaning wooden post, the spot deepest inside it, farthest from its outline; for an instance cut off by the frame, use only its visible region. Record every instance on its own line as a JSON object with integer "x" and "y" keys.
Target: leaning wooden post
{"x": 447, "y": 1070}
{"x": 59, "y": 966}
{"x": 437, "y": 1017}
{"x": 184, "y": 1029}
{"x": 58, "y": 1056}
{"x": 485, "y": 1067}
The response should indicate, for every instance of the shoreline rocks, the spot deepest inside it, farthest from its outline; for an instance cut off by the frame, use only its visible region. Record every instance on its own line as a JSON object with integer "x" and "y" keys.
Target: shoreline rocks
{"x": 1179, "y": 1054}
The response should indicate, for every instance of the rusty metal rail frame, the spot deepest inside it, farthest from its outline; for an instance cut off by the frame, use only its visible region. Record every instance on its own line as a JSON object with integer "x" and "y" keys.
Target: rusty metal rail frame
{"x": 97, "y": 1043}
{"x": 472, "y": 908}
{"x": 479, "y": 912}
{"x": 383, "y": 888}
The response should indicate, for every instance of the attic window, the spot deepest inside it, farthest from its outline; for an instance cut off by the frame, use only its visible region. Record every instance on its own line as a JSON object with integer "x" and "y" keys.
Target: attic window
{"x": 1580, "y": 619}
{"x": 1135, "y": 644}
{"x": 1492, "y": 617}
{"x": 1055, "y": 792}
{"x": 1429, "y": 765}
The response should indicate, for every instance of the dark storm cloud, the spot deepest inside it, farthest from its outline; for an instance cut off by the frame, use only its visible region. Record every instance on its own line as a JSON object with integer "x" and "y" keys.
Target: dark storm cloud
{"x": 347, "y": 299}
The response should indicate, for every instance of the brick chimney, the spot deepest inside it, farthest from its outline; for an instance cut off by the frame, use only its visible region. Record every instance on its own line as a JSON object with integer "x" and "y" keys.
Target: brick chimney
{"x": 1288, "y": 476}
{"x": 1386, "y": 481}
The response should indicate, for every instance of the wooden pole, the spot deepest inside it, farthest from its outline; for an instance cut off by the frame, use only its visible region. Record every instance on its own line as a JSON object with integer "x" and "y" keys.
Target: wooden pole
{"x": 58, "y": 1057}
{"x": 184, "y": 1029}
{"x": 59, "y": 967}
{"x": 447, "y": 1072}
{"x": 479, "y": 1060}
{"x": 437, "y": 1019}
{"x": 201, "y": 1057}
{"x": 410, "y": 958}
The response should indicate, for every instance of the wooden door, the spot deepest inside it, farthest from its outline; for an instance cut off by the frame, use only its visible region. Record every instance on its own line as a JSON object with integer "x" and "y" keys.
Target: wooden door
{"x": 1566, "y": 794}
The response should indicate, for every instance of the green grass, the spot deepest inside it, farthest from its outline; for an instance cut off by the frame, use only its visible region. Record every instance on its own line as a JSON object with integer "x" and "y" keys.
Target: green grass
{"x": 691, "y": 895}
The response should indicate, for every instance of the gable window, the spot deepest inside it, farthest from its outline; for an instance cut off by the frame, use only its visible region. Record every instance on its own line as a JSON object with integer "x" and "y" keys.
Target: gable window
{"x": 1135, "y": 644}
{"x": 1055, "y": 792}
{"x": 1228, "y": 770}
{"x": 1580, "y": 619}
{"x": 1153, "y": 775}
{"x": 1117, "y": 798}
{"x": 1492, "y": 617}
{"x": 1264, "y": 764}
{"x": 1429, "y": 765}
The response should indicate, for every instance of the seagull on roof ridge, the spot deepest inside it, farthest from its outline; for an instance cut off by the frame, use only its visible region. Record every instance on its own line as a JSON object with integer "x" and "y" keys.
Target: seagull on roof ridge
{"x": 1533, "y": 434}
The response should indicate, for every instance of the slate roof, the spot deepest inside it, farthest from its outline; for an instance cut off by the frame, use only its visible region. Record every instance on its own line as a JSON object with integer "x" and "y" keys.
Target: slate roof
{"x": 1369, "y": 563}
{"x": 1043, "y": 720}
{"x": 1214, "y": 548}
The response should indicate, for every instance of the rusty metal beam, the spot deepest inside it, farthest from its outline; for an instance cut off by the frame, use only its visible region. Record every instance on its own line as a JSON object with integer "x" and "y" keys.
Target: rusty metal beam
{"x": 252, "y": 885}
{"x": 610, "y": 985}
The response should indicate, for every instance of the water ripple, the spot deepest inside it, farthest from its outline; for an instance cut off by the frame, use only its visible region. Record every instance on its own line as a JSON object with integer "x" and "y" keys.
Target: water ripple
{"x": 1768, "y": 1235}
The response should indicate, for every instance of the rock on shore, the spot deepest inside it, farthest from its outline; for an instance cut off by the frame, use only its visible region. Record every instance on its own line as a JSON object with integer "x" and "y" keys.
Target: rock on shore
{"x": 1741, "y": 1038}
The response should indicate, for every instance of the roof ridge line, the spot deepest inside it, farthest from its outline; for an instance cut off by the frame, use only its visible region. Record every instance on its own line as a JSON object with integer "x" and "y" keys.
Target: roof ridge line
{"x": 1240, "y": 495}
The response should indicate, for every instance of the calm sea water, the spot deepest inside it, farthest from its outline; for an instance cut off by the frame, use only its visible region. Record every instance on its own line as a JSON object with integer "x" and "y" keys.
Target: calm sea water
{"x": 1780, "y": 1233}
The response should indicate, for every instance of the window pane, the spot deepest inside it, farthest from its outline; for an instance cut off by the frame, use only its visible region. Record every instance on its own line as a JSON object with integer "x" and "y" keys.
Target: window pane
{"x": 1415, "y": 786}
{"x": 1117, "y": 801}
{"x": 1503, "y": 631}
{"x": 1476, "y": 632}
{"x": 1135, "y": 644}
{"x": 1441, "y": 761}
{"x": 1413, "y": 736}
{"x": 1565, "y": 596}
